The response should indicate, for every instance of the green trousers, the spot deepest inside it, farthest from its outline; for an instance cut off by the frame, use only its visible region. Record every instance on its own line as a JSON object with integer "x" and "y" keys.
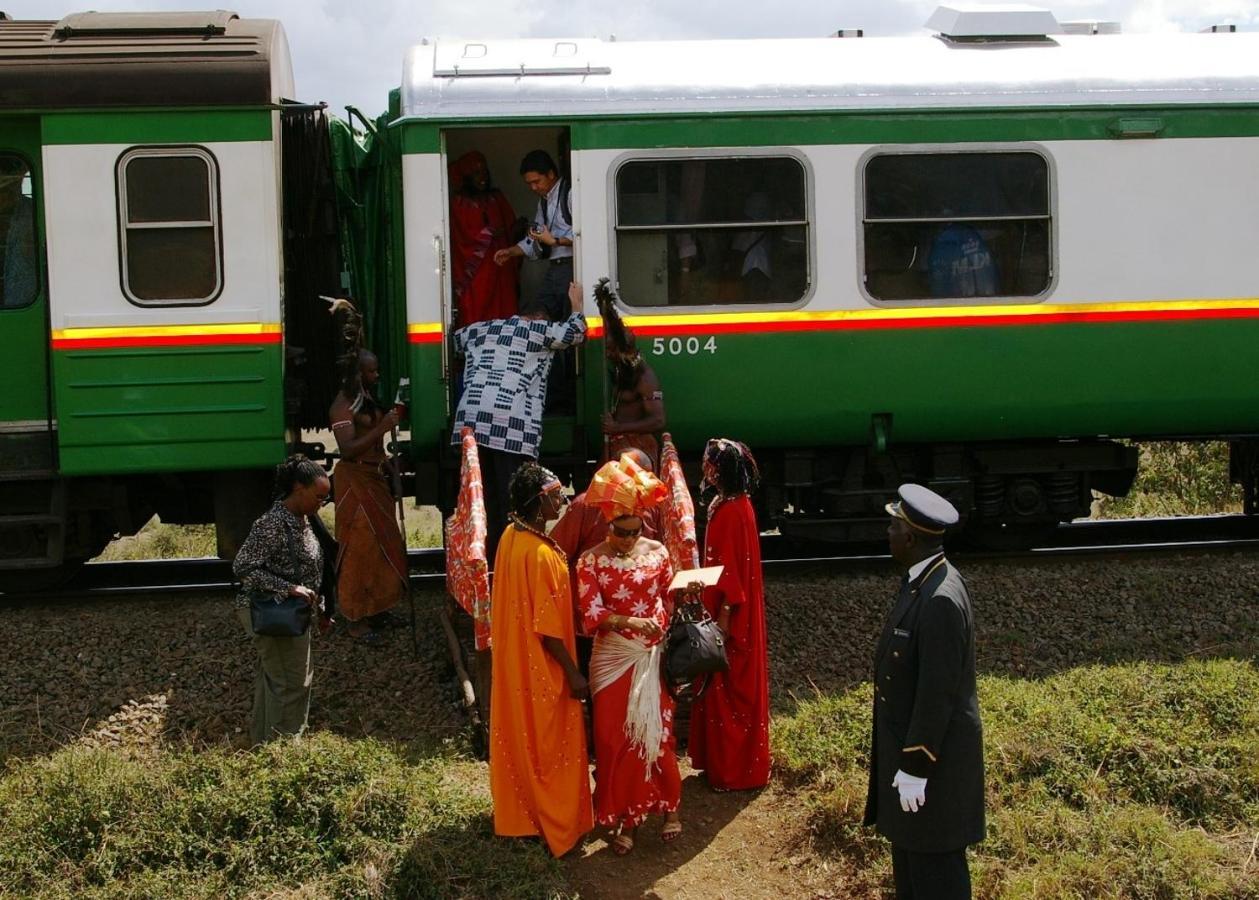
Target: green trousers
{"x": 282, "y": 685}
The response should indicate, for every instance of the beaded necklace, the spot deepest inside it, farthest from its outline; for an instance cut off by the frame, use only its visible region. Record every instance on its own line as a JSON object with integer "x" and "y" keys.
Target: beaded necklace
{"x": 522, "y": 525}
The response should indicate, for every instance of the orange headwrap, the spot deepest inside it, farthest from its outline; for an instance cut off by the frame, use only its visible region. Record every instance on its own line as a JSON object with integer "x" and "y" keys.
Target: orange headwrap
{"x": 624, "y": 488}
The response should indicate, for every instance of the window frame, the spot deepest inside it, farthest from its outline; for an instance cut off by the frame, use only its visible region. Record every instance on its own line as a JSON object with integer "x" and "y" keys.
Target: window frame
{"x": 216, "y": 220}
{"x": 1051, "y": 188}
{"x": 35, "y": 225}
{"x": 682, "y": 154}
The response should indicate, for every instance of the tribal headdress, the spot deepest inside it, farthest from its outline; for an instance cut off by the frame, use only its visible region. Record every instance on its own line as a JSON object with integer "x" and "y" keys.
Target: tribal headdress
{"x": 618, "y": 340}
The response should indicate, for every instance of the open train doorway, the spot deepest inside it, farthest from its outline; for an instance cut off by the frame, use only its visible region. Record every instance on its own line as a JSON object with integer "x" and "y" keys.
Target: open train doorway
{"x": 492, "y": 207}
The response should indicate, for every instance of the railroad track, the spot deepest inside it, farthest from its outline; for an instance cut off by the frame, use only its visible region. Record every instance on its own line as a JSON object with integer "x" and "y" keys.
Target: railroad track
{"x": 1116, "y": 537}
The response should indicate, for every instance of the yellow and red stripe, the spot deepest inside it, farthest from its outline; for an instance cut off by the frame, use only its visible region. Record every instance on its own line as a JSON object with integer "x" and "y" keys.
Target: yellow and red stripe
{"x": 113, "y": 337}
{"x": 881, "y": 318}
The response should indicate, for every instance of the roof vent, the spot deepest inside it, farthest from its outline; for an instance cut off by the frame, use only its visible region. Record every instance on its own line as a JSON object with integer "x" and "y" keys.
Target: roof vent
{"x": 985, "y": 22}
{"x": 519, "y": 57}
{"x": 849, "y": 33}
{"x": 1219, "y": 29}
{"x": 1091, "y": 26}
{"x": 116, "y": 24}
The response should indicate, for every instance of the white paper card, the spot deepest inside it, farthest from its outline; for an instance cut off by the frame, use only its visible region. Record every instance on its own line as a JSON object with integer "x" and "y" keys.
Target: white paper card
{"x": 707, "y": 577}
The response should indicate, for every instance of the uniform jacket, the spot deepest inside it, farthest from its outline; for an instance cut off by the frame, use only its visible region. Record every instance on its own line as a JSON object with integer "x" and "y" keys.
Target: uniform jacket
{"x": 926, "y": 716}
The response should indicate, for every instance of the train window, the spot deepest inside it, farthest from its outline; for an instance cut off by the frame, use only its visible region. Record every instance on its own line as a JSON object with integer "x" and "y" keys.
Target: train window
{"x": 940, "y": 226}
{"x": 712, "y": 231}
{"x": 19, "y": 259}
{"x": 168, "y": 206}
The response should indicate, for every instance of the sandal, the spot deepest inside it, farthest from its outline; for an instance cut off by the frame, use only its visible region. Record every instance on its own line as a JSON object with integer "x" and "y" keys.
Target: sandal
{"x": 671, "y": 832}
{"x": 623, "y": 843}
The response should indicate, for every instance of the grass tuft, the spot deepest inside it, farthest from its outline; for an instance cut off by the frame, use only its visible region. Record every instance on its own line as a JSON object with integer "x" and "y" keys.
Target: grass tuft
{"x": 321, "y": 817}
{"x": 1104, "y": 781}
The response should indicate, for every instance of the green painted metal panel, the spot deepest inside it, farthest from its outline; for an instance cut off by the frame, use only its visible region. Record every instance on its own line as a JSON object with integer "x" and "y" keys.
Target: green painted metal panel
{"x": 167, "y": 409}
{"x": 802, "y": 389}
{"x": 865, "y": 127}
{"x": 25, "y": 329}
{"x": 430, "y": 421}
{"x": 421, "y": 138}
{"x": 966, "y": 384}
{"x": 905, "y": 128}
{"x": 158, "y": 127}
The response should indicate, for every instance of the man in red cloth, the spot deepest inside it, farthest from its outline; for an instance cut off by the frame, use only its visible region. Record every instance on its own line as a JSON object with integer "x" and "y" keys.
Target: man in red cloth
{"x": 481, "y": 220}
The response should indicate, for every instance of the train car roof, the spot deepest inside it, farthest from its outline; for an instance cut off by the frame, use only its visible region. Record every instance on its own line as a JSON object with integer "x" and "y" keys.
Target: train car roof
{"x": 582, "y": 77}
{"x": 90, "y": 60}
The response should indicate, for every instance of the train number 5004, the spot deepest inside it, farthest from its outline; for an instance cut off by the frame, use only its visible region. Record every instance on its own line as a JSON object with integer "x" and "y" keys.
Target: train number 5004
{"x": 677, "y": 346}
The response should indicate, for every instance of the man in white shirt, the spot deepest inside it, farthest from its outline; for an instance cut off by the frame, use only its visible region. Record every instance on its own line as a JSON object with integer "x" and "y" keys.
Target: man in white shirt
{"x": 550, "y": 237}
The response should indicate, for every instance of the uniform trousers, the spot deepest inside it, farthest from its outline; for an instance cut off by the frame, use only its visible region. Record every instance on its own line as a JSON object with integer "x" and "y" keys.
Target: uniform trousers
{"x": 930, "y": 876}
{"x": 282, "y": 685}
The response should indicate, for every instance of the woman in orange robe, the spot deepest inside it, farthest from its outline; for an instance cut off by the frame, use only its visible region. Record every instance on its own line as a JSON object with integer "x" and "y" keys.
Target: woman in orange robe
{"x": 539, "y": 772}
{"x": 729, "y": 738}
{"x": 622, "y": 590}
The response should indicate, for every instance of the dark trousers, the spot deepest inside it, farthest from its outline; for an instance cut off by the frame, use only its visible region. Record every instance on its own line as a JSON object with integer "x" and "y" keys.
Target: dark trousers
{"x": 930, "y": 876}
{"x": 497, "y": 468}
{"x": 554, "y": 290}
{"x": 560, "y": 387}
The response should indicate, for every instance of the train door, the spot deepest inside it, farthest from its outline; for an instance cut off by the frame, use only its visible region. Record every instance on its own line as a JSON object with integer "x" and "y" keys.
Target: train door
{"x": 30, "y": 494}
{"x": 477, "y": 288}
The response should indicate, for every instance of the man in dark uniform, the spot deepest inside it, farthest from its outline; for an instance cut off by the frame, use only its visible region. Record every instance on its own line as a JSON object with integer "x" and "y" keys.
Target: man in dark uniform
{"x": 926, "y": 791}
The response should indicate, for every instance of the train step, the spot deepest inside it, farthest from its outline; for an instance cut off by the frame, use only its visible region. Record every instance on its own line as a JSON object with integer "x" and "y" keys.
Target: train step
{"x": 28, "y": 475}
{"x": 30, "y": 519}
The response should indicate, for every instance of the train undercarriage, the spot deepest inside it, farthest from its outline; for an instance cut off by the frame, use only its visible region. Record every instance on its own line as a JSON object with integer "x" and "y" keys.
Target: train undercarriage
{"x": 1011, "y": 495}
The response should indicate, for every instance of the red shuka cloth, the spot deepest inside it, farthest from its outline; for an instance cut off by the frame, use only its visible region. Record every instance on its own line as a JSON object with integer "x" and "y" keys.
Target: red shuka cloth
{"x": 679, "y": 511}
{"x": 480, "y": 224}
{"x": 467, "y": 571}
{"x": 729, "y": 736}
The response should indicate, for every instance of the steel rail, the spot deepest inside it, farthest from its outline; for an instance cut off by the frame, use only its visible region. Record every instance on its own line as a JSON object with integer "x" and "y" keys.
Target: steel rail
{"x": 1116, "y": 538}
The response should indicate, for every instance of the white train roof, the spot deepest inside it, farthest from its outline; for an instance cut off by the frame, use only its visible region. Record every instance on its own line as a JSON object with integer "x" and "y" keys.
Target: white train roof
{"x": 583, "y": 77}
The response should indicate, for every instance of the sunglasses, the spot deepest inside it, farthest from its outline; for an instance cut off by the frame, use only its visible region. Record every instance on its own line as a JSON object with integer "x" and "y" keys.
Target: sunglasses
{"x": 625, "y": 532}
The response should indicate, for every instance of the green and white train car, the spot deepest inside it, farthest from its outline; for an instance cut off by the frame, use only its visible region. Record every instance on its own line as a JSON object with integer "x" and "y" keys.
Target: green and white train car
{"x": 143, "y": 277}
{"x": 972, "y": 259}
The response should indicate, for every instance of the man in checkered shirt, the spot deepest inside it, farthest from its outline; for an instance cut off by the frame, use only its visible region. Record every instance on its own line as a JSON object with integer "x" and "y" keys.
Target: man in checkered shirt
{"x": 506, "y": 365}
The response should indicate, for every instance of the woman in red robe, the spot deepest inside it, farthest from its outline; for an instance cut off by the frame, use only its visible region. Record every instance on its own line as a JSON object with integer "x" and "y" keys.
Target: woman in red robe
{"x": 481, "y": 220}
{"x": 622, "y": 594}
{"x": 729, "y": 737}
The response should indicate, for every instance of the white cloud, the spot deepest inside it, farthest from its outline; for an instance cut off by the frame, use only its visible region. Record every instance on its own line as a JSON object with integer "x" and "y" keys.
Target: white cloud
{"x": 351, "y": 52}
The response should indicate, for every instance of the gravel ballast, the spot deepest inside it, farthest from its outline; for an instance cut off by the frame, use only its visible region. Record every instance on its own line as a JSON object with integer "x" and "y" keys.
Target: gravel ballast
{"x": 69, "y": 665}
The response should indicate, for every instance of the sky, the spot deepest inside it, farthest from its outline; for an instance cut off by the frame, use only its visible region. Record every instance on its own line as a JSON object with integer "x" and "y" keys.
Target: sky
{"x": 351, "y": 51}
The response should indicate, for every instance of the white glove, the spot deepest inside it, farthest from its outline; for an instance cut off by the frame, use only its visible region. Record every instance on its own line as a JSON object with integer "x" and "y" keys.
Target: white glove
{"x": 913, "y": 790}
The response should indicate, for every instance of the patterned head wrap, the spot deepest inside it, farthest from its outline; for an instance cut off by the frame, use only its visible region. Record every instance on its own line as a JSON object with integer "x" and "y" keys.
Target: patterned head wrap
{"x": 730, "y": 467}
{"x": 624, "y": 488}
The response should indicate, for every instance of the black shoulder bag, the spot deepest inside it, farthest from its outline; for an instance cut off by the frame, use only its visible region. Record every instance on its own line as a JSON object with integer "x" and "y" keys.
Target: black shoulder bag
{"x": 271, "y": 615}
{"x": 694, "y": 645}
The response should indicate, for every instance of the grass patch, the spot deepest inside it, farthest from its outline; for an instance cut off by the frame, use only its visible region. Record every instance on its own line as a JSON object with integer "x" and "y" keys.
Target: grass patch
{"x": 157, "y": 540}
{"x": 1105, "y": 781}
{"x": 325, "y": 817}
{"x": 1176, "y": 479}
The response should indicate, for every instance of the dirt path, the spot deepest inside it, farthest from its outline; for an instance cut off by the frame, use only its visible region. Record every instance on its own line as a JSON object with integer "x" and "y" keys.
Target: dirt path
{"x": 748, "y": 844}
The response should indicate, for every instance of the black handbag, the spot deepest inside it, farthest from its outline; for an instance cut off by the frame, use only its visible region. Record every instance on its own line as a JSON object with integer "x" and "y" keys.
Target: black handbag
{"x": 694, "y": 645}
{"x": 273, "y": 616}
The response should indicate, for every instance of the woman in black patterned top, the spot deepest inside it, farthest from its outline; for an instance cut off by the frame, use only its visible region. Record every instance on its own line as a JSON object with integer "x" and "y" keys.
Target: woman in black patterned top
{"x": 282, "y": 557}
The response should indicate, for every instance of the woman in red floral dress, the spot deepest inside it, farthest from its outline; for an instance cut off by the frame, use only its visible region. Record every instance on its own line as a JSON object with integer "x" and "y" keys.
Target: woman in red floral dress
{"x": 729, "y": 738}
{"x": 622, "y": 594}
